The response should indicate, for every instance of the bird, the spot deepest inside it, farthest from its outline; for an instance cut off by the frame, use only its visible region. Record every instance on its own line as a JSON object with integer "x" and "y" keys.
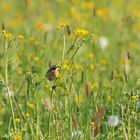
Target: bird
{"x": 53, "y": 72}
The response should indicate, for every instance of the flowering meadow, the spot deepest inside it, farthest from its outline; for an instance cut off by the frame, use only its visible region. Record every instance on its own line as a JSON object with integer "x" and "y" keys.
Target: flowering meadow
{"x": 69, "y": 70}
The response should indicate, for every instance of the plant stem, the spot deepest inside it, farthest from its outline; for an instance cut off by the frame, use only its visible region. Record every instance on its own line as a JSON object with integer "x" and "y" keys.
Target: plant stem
{"x": 50, "y": 115}
{"x": 6, "y": 63}
{"x": 123, "y": 125}
{"x": 6, "y": 84}
{"x": 64, "y": 46}
{"x": 11, "y": 107}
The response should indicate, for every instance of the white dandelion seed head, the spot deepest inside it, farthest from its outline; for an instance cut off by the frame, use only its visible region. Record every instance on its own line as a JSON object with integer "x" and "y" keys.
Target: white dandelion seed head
{"x": 7, "y": 92}
{"x": 77, "y": 134}
{"x": 47, "y": 27}
{"x": 103, "y": 42}
{"x": 113, "y": 121}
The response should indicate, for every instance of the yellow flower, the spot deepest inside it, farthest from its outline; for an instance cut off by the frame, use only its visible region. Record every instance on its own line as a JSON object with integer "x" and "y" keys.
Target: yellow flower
{"x": 117, "y": 74}
{"x": 95, "y": 85}
{"x": 17, "y": 137}
{"x": 48, "y": 88}
{"x": 104, "y": 62}
{"x": 36, "y": 58}
{"x": 89, "y": 5}
{"x": 78, "y": 99}
{"x": 1, "y": 123}
{"x": 133, "y": 10}
{"x": 92, "y": 66}
{"x": 19, "y": 73}
{"x": 31, "y": 105}
{"x": 28, "y": 73}
{"x": 58, "y": 28}
{"x": 103, "y": 13}
{"x": 21, "y": 37}
{"x": 63, "y": 24}
{"x": 8, "y": 36}
{"x": 66, "y": 65}
{"x": 81, "y": 32}
{"x": 17, "y": 120}
{"x": 109, "y": 98}
{"x": 134, "y": 97}
{"x": 24, "y": 129}
{"x": 78, "y": 67}
{"x": 75, "y": 13}
{"x": 27, "y": 115}
{"x": 39, "y": 26}
{"x": 92, "y": 123}
{"x": 91, "y": 55}
{"x": 133, "y": 45}
{"x": 93, "y": 37}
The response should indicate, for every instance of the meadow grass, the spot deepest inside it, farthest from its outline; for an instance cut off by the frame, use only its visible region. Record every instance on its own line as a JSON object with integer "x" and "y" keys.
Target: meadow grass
{"x": 94, "y": 44}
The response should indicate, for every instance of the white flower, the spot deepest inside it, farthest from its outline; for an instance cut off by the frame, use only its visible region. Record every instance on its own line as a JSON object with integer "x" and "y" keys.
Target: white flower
{"x": 7, "y": 92}
{"x": 103, "y": 42}
{"x": 47, "y": 27}
{"x": 113, "y": 121}
{"x": 77, "y": 134}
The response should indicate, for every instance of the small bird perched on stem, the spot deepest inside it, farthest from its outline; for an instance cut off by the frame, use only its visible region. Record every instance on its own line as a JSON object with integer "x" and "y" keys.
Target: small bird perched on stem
{"x": 53, "y": 72}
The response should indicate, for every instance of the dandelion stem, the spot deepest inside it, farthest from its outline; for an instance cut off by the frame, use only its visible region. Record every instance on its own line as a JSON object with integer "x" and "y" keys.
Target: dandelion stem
{"x": 123, "y": 125}
{"x": 18, "y": 108}
{"x": 50, "y": 114}
{"x": 64, "y": 46}
{"x": 6, "y": 83}
{"x": 37, "y": 121}
{"x": 6, "y": 63}
{"x": 71, "y": 46}
{"x": 11, "y": 107}
{"x": 32, "y": 131}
